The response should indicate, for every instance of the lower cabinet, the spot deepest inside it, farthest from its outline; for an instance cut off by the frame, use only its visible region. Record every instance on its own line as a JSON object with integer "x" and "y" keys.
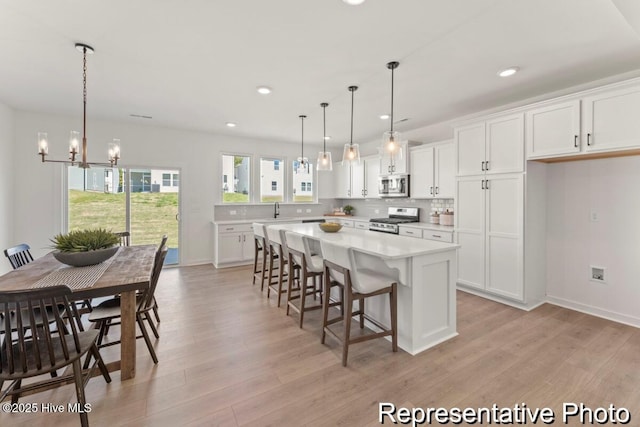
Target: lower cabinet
{"x": 233, "y": 244}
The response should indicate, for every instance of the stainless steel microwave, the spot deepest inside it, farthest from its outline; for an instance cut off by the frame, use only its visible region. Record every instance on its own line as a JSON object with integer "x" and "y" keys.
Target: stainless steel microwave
{"x": 393, "y": 185}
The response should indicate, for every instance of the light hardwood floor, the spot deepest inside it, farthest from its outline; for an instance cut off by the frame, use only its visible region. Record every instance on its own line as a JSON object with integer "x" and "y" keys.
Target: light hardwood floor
{"x": 228, "y": 356}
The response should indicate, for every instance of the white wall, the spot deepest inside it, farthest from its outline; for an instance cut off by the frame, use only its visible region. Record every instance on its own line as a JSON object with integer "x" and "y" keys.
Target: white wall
{"x": 198, "y": 155}
{"x": 610, "y": 189}
{"x": 6, "y": 183}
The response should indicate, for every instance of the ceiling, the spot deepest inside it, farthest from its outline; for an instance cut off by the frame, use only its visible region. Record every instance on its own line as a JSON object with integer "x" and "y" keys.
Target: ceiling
{"x": 196, "y": 64}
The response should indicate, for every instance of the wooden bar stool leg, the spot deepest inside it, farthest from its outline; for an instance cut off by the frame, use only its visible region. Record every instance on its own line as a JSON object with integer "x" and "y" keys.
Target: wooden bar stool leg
{"x": 361, "y": 309}
{"x": 256, "y": 254}
{"x": 325, "y": 303}
{"x": 281, "y": 278}
{"x": 347, "y": 328}
{"x": 290, "y": 284}
{"x": 393, "y": 300}
{"x": 264, "y": 269}
{"x": 303, "y": 293}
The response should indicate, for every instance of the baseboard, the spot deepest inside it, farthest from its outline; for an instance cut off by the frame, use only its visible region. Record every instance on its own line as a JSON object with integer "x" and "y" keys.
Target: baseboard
{"x": 506, "y": 301}
{"x": 594, "y": 311}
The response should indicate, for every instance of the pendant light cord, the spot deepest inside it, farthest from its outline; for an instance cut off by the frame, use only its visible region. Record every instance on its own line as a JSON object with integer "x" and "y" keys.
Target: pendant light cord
{"x": 324, "y": 128}
{"x": 352, "y": 89}
{"x": 84, "y": 106}
{"x": 392, "y": 99}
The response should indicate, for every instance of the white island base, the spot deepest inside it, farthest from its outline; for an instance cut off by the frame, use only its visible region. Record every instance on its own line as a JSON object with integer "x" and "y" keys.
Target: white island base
{"x": 425, "y": 271}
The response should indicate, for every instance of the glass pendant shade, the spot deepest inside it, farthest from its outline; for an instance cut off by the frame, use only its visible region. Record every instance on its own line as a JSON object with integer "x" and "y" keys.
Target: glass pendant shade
{"x": 391, "y": 145}
{"x": 351, "y": 154}
{"x": 324, "y": 161}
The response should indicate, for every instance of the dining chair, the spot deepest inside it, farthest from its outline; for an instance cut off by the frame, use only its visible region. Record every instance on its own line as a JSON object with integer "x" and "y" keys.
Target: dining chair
{"x": 311, "y": 267}
{"x": 45, "y": 350}
{"x": 18, "y": 255}
{"x": 108, "y": 313}
{"x": 125, "y": 238}
{"x": 163, "y": 244}
{"x": 341, "y": 265}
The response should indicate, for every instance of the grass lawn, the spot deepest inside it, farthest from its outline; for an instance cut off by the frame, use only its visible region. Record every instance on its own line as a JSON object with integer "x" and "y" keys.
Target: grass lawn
{"x": 152, "y": 214}
{"x": 235, "y": 198}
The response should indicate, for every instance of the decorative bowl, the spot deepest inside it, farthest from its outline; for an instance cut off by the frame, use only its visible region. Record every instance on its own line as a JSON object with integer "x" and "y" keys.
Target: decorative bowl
{"x": 330, "y": 227}
{"x": 81, "y": 259}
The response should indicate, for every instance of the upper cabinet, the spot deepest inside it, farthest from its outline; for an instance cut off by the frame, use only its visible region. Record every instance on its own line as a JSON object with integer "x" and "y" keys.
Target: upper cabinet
{"x": 491, "y": 147}
{"x": 398, "y": 164}
{"x": 590, "y": 126}
{"x": 553, "y": 130}
{"x": 432, "y": 171}
{"x": 357, "y": 181}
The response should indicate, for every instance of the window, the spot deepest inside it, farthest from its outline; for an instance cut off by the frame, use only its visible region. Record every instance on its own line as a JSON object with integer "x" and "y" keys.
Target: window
{"x": 166, "y": 180}
{"x": 176, "y": 180}
{"x": 236, "y": 179}
{"x": 303, "y": 182}
{"x": 271, "y": 181}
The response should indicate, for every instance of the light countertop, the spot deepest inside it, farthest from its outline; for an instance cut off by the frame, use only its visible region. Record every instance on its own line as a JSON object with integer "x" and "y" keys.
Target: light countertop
{"x": 383, "y": 245}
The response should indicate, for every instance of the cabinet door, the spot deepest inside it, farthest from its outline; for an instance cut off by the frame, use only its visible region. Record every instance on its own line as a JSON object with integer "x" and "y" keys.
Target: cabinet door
{"x": 444, "y": 173}
{"x": 505, "y": 144}
{"x": 230, "y": 247}
{"x": 611, "y": 120}
{"x": 504, "y": 235}
{"x": 357, "y": 180}
{"x": 469, "y": 230}
{"x": 399, "y": 163}
{"x": 371, "y": 173}
{"x": 248, "y": 248}
{"x": 421, "y": 179}
{"x": 470, "y": 149}
{"x": 553, "y": 130}
{"x": 341, "y": 181}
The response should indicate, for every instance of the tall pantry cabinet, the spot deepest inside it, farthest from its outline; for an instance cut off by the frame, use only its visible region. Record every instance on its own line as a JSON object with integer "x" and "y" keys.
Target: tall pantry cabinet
{"x": 495, "y": 226}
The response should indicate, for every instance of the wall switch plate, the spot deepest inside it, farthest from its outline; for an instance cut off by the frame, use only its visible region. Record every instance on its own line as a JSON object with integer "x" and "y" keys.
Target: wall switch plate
{"x": 232, "y": 212}
{"x": 376, "y": 211}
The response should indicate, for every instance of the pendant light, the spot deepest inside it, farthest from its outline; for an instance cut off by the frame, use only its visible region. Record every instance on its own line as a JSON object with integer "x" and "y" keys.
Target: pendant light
{"x": 391, "y": 138}
{"x": 351, "y": 153}
{"x": 324, "y": 157}
{"x": 74, "y": 139}
{"x": 303, "y": 162}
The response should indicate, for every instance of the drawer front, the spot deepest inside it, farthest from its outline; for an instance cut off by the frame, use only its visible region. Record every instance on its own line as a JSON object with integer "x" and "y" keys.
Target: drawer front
{"x": 443, "y": 236}
{"x": 411, "y": 232}
{"x": 235, "y": 228}
{"x": 347, "y": 223}
{"x": 362, "y": 225}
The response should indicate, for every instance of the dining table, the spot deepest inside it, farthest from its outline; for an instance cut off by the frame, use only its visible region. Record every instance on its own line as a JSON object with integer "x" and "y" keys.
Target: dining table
{"x": 124, "y": 274}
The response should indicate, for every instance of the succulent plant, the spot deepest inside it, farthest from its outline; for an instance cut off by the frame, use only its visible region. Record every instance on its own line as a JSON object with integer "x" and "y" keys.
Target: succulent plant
{"x": 85, "y": 240}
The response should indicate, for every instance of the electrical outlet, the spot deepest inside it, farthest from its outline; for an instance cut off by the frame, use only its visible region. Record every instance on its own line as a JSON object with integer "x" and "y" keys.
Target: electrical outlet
{"x": 232, "y": 212}
{"x": 299, "y": 210}
{"x": 594, "y": 216}
{"x": 376, "y": 211}
{"x": 308, "y": 210}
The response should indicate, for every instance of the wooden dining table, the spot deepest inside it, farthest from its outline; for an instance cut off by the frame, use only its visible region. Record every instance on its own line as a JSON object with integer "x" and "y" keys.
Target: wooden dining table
{"x": 128, "y": 271}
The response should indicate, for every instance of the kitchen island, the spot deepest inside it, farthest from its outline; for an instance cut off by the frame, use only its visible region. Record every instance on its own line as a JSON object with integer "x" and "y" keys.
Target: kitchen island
{"x": 426, "y": 274}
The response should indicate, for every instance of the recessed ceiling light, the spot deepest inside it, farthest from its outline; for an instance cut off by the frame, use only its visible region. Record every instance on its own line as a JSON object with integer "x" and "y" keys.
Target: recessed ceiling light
{"x": 353, "y": 2}
{"x": 385, "y": 117}
{"x": 508, "y": 71}
{"x": 265, "y": 90}
{"x": 231, "y": 124}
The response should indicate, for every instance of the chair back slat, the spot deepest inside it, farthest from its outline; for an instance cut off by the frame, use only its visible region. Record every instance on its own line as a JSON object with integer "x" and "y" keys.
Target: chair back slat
{"x": 163, "y": 242}
{"x": 147, "y": 301}
{"x": 18, "y": 255}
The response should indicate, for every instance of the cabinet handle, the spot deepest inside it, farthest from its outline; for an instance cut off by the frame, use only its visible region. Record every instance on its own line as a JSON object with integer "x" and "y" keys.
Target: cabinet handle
{"x": 575, "y": 141}
{"x": 229, "y": 229}
{"x": 349, "y": 193}
{"x": 437, "y": 190}
{"x": 483, "y": 166}
{"x": 486, "y": 184}
{"x": 431, "y": 190}
{"x": 244, "y": 238}
{"x": 486, "y": 165}
{"x": 588, "y": 139}
{"x": 482, "y": 184}
{"x": 436, "y": 235}
{"x": 239, "y": 239}
{"x": 366, "y": 192}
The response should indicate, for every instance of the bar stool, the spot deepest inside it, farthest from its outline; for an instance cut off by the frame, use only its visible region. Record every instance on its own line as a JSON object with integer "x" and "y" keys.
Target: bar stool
{"x": 310, "y": 268}
{"x": 278, "y": 246}
{"x": 341, "y": 265}
{"x": 259, "y": 245}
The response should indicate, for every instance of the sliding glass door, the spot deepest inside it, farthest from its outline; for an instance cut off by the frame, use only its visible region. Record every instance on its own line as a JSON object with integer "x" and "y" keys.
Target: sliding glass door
{"x": 143, "y": 201}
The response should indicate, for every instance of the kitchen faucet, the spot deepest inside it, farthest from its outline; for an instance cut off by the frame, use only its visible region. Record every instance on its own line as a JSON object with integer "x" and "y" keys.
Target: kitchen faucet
{"x": 276, "y": 209}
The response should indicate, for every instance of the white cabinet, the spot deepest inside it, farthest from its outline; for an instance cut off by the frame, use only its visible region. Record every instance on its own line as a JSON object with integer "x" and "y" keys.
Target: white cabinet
{"x": 361, "y": 225}
{"x": 490, "y": 231}
{"x": 442, "y": 236}
{"x": 397, "y": 164}
{"x": 432, "y": 171}
{"x": 233, "y": 243}
{"x": 357, "y": 181}
{"x": 596, "y": 124}
{"x": 611, "y": 120}
{"x": 491, "y": 147}
{"x": 553, "y": 130}
{"x": 410, "y": 231}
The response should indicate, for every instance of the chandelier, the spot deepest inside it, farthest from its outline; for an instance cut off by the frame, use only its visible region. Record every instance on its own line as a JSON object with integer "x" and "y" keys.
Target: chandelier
{"x": 74, "y": 139}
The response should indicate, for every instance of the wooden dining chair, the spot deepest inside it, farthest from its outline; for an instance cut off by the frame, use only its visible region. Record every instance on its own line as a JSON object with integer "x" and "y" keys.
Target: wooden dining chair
{"x": 45, "y": 350}
{"x": 108, "y": 313}
{"x": 18, "y": 255}
{"x": 125, "y": 238}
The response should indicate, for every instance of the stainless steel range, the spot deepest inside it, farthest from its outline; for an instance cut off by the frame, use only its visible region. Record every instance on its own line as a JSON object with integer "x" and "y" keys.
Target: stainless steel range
{"x": 396, "y": 217}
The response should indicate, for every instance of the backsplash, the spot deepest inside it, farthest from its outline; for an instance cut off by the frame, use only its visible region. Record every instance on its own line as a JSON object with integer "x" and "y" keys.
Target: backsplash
{"x": 261, "y": 211}
{"x": 377, "y": 208}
